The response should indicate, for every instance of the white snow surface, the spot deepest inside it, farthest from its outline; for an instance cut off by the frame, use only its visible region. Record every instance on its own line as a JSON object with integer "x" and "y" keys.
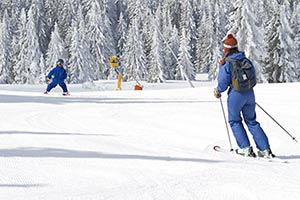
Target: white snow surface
{"x": 155, "y": 144}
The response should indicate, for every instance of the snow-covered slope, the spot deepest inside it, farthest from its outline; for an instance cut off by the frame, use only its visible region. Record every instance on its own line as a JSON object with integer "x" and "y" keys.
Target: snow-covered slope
{"x": 100, "y": 143}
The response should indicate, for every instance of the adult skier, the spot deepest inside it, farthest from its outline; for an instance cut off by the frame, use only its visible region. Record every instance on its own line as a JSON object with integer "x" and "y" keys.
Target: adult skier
{"x": 58, "y": 76}
{"x": 241, "y": 103}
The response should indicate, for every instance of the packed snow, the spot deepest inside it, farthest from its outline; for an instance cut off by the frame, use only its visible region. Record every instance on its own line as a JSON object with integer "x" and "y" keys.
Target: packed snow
{"x": 101, "y": 143}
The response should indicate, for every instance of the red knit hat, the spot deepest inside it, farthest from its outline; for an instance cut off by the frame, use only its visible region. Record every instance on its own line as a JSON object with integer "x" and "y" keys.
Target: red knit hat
{"x": 230, "y": 42}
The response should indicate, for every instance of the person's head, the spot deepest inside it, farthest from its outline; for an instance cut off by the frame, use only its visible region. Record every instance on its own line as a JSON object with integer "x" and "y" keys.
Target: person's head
{"x": 60, "y": 62}
{"x": 230, "y": 45}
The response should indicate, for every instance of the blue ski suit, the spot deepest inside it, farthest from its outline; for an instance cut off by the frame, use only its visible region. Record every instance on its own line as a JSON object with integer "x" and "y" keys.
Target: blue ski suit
{"x": 244, "y": 103}
{"x": 59, "y": 74}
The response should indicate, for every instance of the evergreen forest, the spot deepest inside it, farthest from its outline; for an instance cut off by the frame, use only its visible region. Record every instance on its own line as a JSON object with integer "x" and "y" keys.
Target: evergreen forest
{"x": 155, "y": 40}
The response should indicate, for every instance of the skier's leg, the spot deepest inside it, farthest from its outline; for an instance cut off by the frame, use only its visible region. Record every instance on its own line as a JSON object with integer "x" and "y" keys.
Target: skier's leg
{"x": 51, "y": 86}
{"x": 63, "y": 86}
{"x": 235, "y": 121}
{"x": 260, "y": 138}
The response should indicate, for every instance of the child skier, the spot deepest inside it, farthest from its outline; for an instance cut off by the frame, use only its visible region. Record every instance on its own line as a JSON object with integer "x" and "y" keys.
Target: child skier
{"x": 241, "y": 102}
{"x": 59, "y": 74}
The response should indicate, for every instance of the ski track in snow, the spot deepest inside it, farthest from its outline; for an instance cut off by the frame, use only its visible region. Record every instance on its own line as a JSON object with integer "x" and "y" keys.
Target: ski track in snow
{"x": 151, "y": 144}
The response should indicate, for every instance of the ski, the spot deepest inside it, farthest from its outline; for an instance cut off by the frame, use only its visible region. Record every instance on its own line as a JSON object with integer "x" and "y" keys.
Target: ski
{"x": 57, "y": 94}
{"x": 232, "y": 152}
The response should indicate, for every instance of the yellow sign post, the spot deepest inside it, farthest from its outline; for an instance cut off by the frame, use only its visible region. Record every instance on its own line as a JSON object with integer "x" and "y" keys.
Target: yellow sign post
{"x": 115, "y": 64}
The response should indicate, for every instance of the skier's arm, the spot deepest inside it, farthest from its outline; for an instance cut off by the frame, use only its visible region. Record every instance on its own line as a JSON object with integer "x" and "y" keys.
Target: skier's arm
{"x": 224, "y": 77}
{"x": 49, "y": 76}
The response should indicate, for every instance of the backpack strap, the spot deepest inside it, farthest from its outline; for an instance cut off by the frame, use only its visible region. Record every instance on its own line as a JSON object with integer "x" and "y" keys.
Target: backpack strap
{"x": 231, "y": 61}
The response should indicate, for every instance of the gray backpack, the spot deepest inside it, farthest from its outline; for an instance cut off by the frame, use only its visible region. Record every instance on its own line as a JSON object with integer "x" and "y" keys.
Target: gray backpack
{"x": 243, "y": 74}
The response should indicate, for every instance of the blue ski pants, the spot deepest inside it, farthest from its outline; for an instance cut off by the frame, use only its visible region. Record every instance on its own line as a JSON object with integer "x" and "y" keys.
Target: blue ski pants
{"x": 53, "y": 84}
{"x": 244, "y": 103}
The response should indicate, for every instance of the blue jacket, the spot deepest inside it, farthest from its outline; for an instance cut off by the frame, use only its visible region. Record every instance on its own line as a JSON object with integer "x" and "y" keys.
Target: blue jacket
{"x": 59, "y": 74}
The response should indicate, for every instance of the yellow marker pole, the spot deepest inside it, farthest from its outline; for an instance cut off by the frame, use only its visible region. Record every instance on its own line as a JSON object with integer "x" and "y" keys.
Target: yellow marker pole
{"x": 119, "y": 81}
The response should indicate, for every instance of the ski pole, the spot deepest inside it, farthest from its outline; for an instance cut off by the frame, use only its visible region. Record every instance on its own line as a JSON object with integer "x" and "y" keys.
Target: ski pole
{"x": 276, "y": 122}
{"x": 231, "y": 149}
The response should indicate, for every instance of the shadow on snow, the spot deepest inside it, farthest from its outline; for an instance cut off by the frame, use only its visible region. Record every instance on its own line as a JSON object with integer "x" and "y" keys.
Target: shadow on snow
{"x": 21, "y": 185}
{"x": 13, "y": 132}
{"x": 103, "y": 100}
{"x": 33, "y": 152}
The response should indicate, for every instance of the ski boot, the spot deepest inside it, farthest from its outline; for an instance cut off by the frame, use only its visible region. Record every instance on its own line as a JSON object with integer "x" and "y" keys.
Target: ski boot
{"x": 267, "y": 153}
{"x": 247, "y": 151}
{"x": 66, "y": 94}
{"x": 46, "y": 92}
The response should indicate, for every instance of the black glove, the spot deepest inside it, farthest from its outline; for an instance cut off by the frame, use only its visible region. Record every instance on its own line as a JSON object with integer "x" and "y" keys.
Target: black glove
{"x": 217, "y": 93}
{"x": 48, "y": 80}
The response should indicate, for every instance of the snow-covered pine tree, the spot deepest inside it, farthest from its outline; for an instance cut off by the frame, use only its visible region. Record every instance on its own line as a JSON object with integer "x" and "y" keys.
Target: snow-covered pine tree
{"x": 172, "y": 51}
{"x": 67, "y": 23}
{"x": 188, "y": 22}
{"x": 146, "y": 30}
{"x": 27, "y": 68}
{"x": 170, "y": 43}
{"x": 296, "y": 45}
{"x": 136, "y": 8}
{"x": 121, "y": 6}
{"x": 96, "y": 38}
{"x": 55, "y": 11}
{"x": 286, "y": 36}
{"x": 43, "y": 69}
{"x": 156, "y": 64}
{"x": 204, "y": 44}
{"x": 174, "y": 8}
{"x": 122, "y": 33}
{"x": 5, "y": 50}
{"x": 56, "y": 50}
{"x": 15, "y": 12}
{"x": 43, "y": 33}
{"x": 80, "y": 61}
{"x": 186, "y": 70}
{"x": 34, "y": 52}
{"x": 51, "y": 11}
{"x": 20, "y": 54}
{"x": 153, "y": 4}
{"x": 68, "y": 13}
{"x": 133, "y": 56}
{"x": 273, "y": 60}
